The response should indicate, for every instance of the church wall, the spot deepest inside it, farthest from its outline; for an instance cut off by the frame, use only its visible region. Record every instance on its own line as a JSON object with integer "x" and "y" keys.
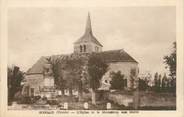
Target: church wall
{"x": 124, "y": 67}
{"x": 76, "y": 48}
{"x": 89, "y": 47}
{"x": 94, "y": 46}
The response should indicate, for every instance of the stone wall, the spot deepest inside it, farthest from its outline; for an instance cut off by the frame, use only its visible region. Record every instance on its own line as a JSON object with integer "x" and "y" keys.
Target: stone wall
{"x": 34, "y": 81}
{"x": 90, "y": 47}
{"x": 146, "y": 99}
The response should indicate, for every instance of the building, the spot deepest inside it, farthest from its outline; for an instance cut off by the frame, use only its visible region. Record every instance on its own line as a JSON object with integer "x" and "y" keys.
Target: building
{"x": 40, "y": 80}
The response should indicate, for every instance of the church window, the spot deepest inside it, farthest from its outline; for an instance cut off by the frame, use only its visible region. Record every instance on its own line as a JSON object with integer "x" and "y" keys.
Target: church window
{"x": 80, "y": 48}
{"x": 84, "y": 48}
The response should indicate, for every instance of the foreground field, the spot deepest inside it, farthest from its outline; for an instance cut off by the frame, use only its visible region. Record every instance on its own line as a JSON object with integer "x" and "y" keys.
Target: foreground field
{"x": 119, "y": 100}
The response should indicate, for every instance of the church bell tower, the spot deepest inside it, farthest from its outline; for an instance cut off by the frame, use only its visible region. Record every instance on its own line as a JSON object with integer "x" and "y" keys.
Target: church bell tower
{"x": 88, "y": 42}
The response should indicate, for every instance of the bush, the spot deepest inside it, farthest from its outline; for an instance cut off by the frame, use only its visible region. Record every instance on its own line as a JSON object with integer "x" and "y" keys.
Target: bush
{"x": 86, "y": 90}
{"x": 143, "y": 85}
{"x": 118, "y": 81}
{"x": 28, "y": 100}
{"x": 37, "y": 97}
{"x": 44, "y": 98}
{"x": 25, "y": 100}
{"x": 18, "y": 96}
{"x": 52, "y": 102}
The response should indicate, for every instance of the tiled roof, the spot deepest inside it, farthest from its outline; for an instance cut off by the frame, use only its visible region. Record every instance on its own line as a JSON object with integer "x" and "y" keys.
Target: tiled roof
{"x": 108, "y": 56}
{"x": 37, "y": 68}
{"x": 116, "y": 56}
{"x": 88, "y": 38}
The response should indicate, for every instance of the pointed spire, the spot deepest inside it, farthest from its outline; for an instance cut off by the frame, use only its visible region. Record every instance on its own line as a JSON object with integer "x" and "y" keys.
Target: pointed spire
{"x": 88, "y": 35}
{"x": 88, "y": 25}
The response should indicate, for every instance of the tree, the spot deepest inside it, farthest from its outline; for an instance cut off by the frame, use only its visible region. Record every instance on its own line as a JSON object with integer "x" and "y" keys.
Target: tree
{"x": 96, "y": 69}
{"x": 165, "y": 83}
{"x": 173, "y": 85}
{"x": 170, "y": 61}
{"x": 69, "y": 73}
{"x": 15, "y": 76}
{"x": 117, "y": 81}
{"x": 132, "y": 78}
{"x": 57, "y": 74}
{"x": 10, "y": 77}
{"x": 73, "y": 70}
{"x": 159, "y": 82}
{"x": 156, "y": 81}
{"x": 143, "y": 85}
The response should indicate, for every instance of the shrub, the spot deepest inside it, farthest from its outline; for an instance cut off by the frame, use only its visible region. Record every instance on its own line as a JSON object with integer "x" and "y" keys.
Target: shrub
{"x": 44, "y": 98}
{"x": 143, "y": 85}
{"x": 118, "y": 81}
{"x": 25, "y": 100}
{"x": 52, "y": 102}
{"x": 37, "y": 97}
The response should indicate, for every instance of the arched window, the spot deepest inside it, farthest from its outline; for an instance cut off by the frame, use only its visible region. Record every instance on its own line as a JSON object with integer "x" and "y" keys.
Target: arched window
{"x": 84, "y": 48}
{"x": 80, "y": 48}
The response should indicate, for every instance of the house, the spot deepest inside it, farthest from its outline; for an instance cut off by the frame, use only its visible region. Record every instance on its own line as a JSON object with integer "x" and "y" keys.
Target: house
{"x": 40, "y": 80}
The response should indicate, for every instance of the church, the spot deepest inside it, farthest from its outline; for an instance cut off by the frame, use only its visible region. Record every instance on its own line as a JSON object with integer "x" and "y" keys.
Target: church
{"x": 39, "y": 79}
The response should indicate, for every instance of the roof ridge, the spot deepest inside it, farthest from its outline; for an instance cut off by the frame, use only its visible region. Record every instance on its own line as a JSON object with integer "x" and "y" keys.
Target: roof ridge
{"x": 112, "y": 50}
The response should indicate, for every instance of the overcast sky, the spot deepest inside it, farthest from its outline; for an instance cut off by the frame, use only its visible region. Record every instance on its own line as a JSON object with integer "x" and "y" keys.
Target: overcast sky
{"x": 146, "y": 33}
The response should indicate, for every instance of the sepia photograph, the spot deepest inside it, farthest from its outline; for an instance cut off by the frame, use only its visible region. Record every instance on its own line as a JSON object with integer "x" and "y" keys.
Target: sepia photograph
{"x": 92, "y": 58}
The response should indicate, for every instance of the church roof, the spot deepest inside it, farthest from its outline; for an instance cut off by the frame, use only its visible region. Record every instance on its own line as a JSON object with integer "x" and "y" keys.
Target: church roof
{"x": 88, "y": 35}
{"x": 38, "y": 67}
{"x": 116, "y": 56}
{"x": 108, "y": 56}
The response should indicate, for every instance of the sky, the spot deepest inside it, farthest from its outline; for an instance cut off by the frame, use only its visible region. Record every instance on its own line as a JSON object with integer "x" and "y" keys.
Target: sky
{"x": 146, "y": 33}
